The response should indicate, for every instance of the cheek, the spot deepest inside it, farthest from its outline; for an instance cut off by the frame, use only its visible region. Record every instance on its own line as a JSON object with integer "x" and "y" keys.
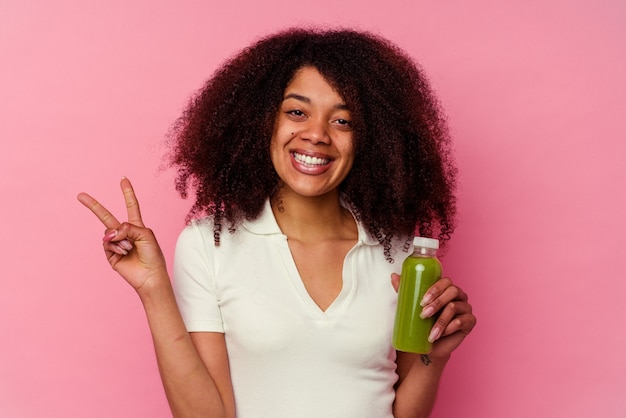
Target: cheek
{"x": 277, "y": 153}
{"x": 273, "y": 149}
{"x": 350, "y": 149}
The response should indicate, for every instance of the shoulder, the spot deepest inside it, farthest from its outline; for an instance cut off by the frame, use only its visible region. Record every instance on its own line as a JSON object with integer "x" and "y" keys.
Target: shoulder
{"x": 395, "y": 247}
{"x": 196, "y": 233}
{"x": 201, "y": 233}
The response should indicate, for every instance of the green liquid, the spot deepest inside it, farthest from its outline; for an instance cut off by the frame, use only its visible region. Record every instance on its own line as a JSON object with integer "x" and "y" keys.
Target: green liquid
{"x": 411, "y": 332}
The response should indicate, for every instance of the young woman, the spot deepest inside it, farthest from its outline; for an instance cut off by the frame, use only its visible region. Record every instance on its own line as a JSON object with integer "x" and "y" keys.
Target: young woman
{"x": 315, "y": 157}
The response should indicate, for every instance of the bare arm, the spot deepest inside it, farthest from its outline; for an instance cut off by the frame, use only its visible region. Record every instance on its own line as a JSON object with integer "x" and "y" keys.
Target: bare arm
{"x": 196, "y": 376}
{"x": 416, "y": 389}
{"x": 193, "y": 388}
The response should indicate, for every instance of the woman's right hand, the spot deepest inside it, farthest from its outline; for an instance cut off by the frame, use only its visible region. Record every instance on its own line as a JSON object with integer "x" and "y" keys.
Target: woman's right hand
{"x": 130, "y": 247}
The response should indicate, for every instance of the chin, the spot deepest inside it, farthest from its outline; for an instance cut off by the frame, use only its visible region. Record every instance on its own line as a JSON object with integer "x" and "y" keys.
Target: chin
{"x": 310, "y": 191}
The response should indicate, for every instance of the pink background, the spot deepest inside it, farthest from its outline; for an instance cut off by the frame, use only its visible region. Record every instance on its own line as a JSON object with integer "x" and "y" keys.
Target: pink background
{"x": 536, "y": 95}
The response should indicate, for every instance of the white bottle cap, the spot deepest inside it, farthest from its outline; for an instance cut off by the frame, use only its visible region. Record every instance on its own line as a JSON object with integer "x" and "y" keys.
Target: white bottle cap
{"x": 426, "y": 242}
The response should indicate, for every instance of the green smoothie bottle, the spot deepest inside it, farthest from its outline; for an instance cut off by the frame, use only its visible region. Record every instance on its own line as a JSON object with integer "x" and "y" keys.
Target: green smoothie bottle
{"x": 419, "y": 271}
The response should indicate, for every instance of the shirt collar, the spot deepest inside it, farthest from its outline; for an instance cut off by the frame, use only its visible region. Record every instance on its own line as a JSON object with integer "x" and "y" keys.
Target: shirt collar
{"x": 266, "y": 224}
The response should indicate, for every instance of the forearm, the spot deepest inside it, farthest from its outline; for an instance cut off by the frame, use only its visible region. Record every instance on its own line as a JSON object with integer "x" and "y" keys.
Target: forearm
{"x": 190, "y": 389}
{"x": 417, "y": 388}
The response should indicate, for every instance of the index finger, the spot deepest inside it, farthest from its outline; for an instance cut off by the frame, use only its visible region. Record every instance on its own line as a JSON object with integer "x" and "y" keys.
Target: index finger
{"x": 100, "y": 211}
{"x": 132, "y": 205}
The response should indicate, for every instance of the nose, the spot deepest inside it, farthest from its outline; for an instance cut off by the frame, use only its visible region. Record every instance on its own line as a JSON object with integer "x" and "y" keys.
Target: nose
{"x": 316, "y": 131}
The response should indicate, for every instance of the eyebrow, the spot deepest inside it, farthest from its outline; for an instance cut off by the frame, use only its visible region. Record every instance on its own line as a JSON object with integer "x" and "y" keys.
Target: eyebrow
{"x": 306, "y": 100}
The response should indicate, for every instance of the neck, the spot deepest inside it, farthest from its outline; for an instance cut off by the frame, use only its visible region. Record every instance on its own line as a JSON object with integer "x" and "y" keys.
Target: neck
{"x": 315, "y": 218}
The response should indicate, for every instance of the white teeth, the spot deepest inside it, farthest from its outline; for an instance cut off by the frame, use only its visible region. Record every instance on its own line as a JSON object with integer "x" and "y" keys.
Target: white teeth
{"x": 308, "y": 160}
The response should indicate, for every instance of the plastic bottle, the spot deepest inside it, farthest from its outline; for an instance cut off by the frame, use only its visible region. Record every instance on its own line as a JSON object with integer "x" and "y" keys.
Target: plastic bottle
{"x": 419, "y": 271}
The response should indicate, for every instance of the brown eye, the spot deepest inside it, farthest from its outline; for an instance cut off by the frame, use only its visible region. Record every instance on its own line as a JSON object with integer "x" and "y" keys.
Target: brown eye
{"x": 343, "y": 124}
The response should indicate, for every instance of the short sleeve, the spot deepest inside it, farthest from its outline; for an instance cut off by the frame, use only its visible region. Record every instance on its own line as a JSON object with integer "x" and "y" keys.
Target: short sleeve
{"x": 194, "y": 280}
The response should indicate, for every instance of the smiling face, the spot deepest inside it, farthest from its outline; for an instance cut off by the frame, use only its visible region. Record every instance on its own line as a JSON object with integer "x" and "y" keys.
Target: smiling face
{"x": 312, "y": 144}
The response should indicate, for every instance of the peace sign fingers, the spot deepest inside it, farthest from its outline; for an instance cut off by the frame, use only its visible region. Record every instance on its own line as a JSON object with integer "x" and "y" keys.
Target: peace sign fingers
{"x": 106, "y": 217}
{"x": 131, "y": 249}
{"x": 114, "y": 242}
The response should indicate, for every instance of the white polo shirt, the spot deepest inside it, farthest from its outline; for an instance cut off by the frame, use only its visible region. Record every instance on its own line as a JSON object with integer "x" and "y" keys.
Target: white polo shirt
{"x": 288, "y": 358}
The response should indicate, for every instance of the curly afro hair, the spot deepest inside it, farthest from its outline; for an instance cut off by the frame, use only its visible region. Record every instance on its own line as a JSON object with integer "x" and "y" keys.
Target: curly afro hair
{"x": 403, "y": 179}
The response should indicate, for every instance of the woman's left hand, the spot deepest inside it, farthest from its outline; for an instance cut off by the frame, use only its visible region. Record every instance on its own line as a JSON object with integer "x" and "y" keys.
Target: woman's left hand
{"x": 455, "y": 318}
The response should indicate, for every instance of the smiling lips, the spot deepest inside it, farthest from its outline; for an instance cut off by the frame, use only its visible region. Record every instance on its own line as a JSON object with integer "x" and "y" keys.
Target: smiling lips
{"x": 310, "y": 165}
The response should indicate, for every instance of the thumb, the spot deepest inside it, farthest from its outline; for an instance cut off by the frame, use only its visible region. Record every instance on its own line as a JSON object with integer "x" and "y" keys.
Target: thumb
{"x": 395, "y": 281}
{"x": 116, "y": 242}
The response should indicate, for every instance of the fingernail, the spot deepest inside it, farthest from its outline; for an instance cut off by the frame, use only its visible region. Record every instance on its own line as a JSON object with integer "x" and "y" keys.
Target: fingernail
{"x": 121, "y": 250}
{"x": 426, "y": 300}
{"x": 434, "y": 333}
{"x": 126, "y": 244}
{"x": 110, "y": 236}
{"x": 427, "y": 312}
